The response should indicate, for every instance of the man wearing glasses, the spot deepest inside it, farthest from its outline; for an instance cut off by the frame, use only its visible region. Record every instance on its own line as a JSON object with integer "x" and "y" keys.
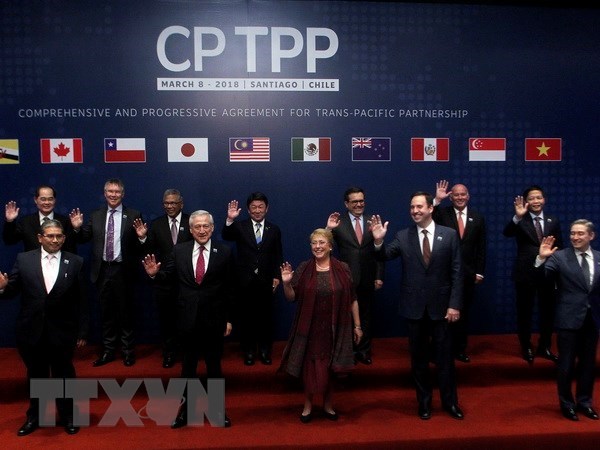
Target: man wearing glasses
{"x": 165, "y": 232}
{"x": 26, "y": 228}
{"x": 53, "y": 316}
{"x": 354, "y": 243}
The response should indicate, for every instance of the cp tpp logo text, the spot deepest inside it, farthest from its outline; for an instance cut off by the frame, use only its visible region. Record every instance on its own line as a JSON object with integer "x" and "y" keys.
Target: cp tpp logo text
{"x": 210, "y": 42}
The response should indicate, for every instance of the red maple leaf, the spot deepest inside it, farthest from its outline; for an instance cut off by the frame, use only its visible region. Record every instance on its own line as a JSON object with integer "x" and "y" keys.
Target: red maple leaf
{"x": 62, "y": 150}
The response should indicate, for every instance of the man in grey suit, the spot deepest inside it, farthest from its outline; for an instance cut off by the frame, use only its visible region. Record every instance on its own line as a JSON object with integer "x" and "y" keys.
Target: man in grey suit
{"x": 576, "y": 271}
{"x": 430, "y": 297}
{"x": 354, "y": 243}
{"x": 116, "y": 249}
{"x": 53, "y": 317}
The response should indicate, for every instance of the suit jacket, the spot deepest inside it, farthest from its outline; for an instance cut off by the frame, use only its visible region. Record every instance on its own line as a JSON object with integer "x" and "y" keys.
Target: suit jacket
{"x": 254, "y": 260}
{"x": 26, "y": 229}
{"x": 433, "y": 288}
{"x": 208, "y": 302}
{"x": 528, "y": 245}
{"x": 94, "y": 230}
{"x": 62, "y": 312}
{"x": 364, "y": 266}
{"x": 574, "y": 292}
{"x": 473, "y": 242}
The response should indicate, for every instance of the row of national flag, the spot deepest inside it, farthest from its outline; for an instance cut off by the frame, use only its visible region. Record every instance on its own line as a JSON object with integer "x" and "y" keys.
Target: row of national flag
{"x": 247, "y": 149}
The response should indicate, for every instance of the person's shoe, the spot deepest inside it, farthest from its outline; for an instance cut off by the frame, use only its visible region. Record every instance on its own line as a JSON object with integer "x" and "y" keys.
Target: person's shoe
{"x": 365, "y": 359}
{"x": 106, "y": 358}
{"x": 306, "y": 418}
{"x": 424, "y": 412}
{"x": 249, "y": 359}
{"x": 547, "y": 354}
{"x": 588, "y": 412}
{"x": 28, "y": 427}
{"x": 70, "y": 428}
{"x": 181, "y": 419}
{"x": 463, "y": 357}
{"x": 569, "y": 413}
{"x": 331, "y": 415}
{"x": 454, "y": 411}
{"x": 265, "y": 358}
{"x": 227, "y": 422}
{"x": 168, "y": 361}
{"x": 129, "y": 359}
{"x": 528, "y": 355}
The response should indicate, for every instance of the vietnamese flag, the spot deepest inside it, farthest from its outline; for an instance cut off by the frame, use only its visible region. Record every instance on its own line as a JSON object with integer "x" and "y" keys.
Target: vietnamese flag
{"x": 543, "y": 149}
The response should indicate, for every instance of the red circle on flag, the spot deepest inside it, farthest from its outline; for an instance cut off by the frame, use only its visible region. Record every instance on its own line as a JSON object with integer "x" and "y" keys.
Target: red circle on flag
{"x": 188, "y": 149}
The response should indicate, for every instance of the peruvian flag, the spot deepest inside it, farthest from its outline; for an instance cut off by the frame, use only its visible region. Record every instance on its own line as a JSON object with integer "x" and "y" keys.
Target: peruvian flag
{"x": 430, "y": 149}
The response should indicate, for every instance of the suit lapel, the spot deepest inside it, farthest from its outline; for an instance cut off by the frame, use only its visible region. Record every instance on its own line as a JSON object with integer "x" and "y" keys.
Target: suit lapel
{"x": 596, "y": 267}
{"x": 573, "y": 261}
{"x": 414, "y": 242}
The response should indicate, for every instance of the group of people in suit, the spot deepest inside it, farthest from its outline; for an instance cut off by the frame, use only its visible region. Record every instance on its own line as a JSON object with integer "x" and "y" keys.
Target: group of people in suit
{"x": 442, "y": 254}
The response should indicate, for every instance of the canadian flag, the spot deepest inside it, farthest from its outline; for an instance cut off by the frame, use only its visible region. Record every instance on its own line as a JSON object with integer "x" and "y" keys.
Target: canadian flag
{"x": 61, "y": 150}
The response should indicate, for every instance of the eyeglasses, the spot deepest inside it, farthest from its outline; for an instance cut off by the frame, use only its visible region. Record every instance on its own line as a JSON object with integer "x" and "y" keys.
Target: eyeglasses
{"x": 58, "y": 237}
{"x": 171, "y": 203}
{"x": 46, "y": 199}
{"x": 356, "y": 202}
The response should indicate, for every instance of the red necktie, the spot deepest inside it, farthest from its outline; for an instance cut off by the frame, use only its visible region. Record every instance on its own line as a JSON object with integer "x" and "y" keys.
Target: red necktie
{"x": 358, "y": 230}
{"x": 461, "y": 224}
{"x": 426, "y": 248}
{"x": 200, "y": 269}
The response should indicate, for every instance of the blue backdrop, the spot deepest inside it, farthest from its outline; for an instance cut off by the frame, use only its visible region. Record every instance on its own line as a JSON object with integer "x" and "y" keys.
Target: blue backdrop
{"x": 95, "y": 70}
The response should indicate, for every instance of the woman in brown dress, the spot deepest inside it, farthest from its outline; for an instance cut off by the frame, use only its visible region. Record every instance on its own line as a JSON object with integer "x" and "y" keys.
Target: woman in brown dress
{"x": 326, "y": 322}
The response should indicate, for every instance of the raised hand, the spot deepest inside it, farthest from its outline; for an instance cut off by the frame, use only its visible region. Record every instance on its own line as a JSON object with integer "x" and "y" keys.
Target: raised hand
{"x": 546, "y": 249}
{"x": 141, "y": 228}
{"x": 333, "y": 221}
{"x": 233, "y": 211}
{"x": 377, "y": 227}
{"x": 3, "y": 280}
{"x": 520, "y": 206}
{"x": 76, "y": 218}
{"x": 150, "y": 265}
{"x": 286, "y": 272}
{"x": 11, "y": 212}
{"x": 441, "y": 191}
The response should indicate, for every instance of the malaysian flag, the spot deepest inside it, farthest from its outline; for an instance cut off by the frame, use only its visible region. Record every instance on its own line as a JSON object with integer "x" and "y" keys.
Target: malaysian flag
{"x": 249, "y": 149}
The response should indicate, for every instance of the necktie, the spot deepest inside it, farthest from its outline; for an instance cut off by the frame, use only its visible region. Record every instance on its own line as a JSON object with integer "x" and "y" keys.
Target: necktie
{"x": 461, "y": 224}
{"x": 358, "y": 230}
{"x": 426, "y": 248}
{"x": 538, "y": 229}
{"x": 585, "y": 268}
{"x": 200, "y": 268}
{"x": 174, "y": 231}
{"x": 49, "y": 273}
{"x": 110, "y": 236}
{"x": 258, "y": 234}
{"x": 45, "y": 219}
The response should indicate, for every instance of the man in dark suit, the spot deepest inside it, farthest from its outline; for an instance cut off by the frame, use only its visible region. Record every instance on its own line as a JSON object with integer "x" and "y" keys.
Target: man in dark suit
{"x": 26, "y": 229}
{"x": 576, "y": 271}
{"x": 470, "y": 226}
{"x": 114, "y": 264}
{"x": 258, "y": 257}
{"x": 53, "y": 315}
{"x": 164, "y": 233}
{"x": 528, "y": 226}
{"x": 430, "y": 297}
{"x": 204, "y": 271}
{"x": 354, "y": 243}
